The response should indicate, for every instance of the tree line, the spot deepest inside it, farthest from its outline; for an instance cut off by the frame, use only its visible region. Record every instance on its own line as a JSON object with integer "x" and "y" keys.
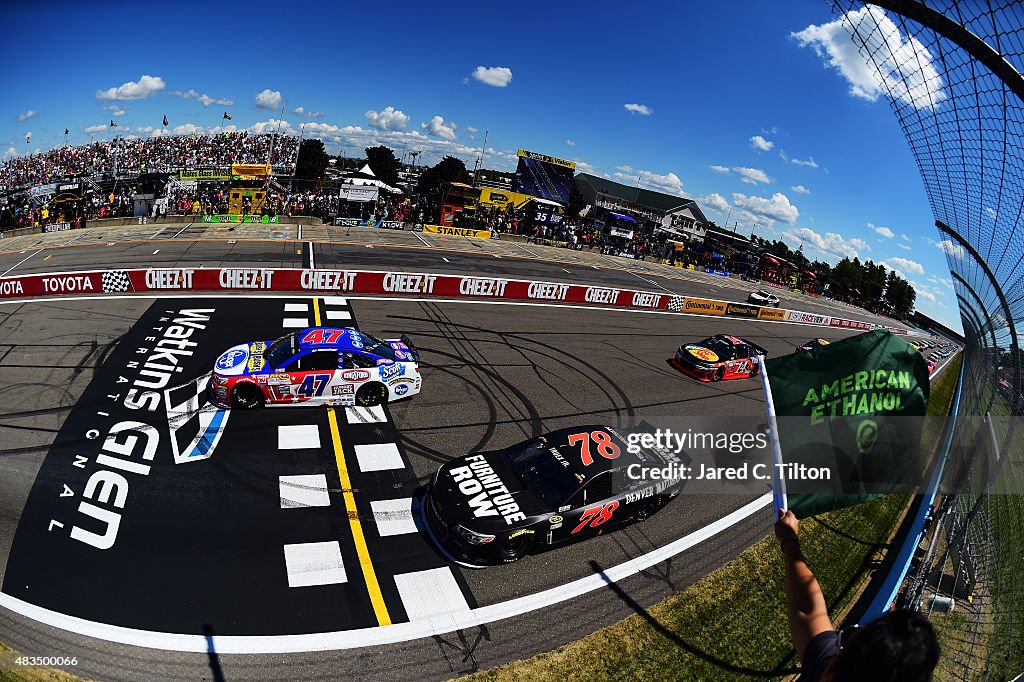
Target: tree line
{"x": 867, "y": 284}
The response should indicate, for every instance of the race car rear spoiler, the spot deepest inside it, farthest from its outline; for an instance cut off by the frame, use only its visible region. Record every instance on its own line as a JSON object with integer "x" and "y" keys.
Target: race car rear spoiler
{"x": 412, "y": 348}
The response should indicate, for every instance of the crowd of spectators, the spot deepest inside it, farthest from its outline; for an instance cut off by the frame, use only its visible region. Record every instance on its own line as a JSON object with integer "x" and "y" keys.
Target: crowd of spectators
{"x": 155, "y": 154}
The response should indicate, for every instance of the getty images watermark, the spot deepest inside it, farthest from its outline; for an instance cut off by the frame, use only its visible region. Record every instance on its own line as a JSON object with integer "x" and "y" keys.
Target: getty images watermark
{"x": 675, "y": 443}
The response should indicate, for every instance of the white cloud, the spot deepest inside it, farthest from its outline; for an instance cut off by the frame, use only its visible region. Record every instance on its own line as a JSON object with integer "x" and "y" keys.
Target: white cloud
{"x": 438, "y": 128}
{"x": 884, "y": 231}
{"x": 748, "y": 175}
{"x": 941, "y": 282}
{"x": 116, "y": 111}
{"x": 10, "y": 153}
{"x": 312, "y": 114}
{"x": 897, "y": 263}
{"x": 905, "y": 247}
{"x": 758, "y": 142}
{"x": 668, "y": 183}
{"x": 778, "y": 207}
{"x": 204, "y": 99}
{"x": 904, "y": 237}
{"x": 571, "y": 143}
{"x": 497, "y": 76}
{"x": 831, "y": 243}
{"x": 951, "y": 249}
{"x": 800, "y": 189}
{"x": 924, "y": 293}
{"x": 269, "y": 99}
{"x": 93, "y": 130}
{"x": 26, "y": 116}
{"x": 143, "y": 88}
{"x": 716, "y": 201}
{"x": 752, "y": 175}
{"x": 187, "y": 129}
{"x": 388, "y": 119}
{"x": 641, "y": 109}
{"x": 809, "y": 163}
{"x": 902, "y": 67}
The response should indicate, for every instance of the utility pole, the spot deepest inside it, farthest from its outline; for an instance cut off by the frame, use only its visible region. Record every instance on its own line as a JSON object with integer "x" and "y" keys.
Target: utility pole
{"x": 480, "y": 160}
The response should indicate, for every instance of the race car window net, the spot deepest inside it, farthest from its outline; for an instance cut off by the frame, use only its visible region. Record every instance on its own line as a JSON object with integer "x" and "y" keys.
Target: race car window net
{"x": 358, "y": 361}
{"x": 598, "y": 489}
{"x": 541, "y": 473}
{"x": 319, "y": 359}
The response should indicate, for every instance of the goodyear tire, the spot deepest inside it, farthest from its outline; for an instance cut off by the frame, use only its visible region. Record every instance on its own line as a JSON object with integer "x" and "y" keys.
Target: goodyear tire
{"x": 246, "y": 396}
{"x": 372, "y": 394}
{"x": 514, "y": 549}
{"x": 719, "y": 373}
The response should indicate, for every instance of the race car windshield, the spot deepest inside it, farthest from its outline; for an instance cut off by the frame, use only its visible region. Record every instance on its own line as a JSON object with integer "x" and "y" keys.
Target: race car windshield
{"x": 280, "y": 351}
{"x": 723, "y": 350}
{"x": 542, "y": 474}
{"x": 377, "y": 347}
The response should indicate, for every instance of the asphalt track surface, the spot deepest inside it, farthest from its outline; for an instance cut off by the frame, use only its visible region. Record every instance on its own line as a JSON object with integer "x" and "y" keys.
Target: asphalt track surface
{"x": 199, "y": 549}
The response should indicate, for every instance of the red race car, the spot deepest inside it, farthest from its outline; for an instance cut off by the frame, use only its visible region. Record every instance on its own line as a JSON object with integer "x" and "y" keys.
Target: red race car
{"x": 719, "y": 357}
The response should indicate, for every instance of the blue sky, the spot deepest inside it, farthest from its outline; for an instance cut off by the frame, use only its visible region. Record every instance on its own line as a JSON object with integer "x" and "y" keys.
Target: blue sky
{"x": 762, "y": 112}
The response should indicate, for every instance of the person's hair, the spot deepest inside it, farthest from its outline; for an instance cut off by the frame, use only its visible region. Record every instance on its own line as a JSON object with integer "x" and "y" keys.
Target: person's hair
{"x": 899, "y": 646}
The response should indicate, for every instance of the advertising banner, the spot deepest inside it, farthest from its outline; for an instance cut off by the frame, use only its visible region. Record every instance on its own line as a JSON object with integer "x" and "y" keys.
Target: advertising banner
{"x": 239, "y": 218}
{"x": 742, "y": 310}
{"x": 203, "y": 174}
{"x": 361, "y": 193}
{"x": 57, "y": 227}
{"x": 392, "y": 224}
{"x": 808, "y": 318}
{"x": 456, "y": 231}
{"x": 704, "y": 306}
{"x": 376, "y": 282}
{"x": 771, "y": 314}
{"x": 620, "y": 232}
{"x": 720, "y": 273}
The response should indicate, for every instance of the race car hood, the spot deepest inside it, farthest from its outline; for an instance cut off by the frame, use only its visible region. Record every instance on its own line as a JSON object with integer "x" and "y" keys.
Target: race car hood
{"x": 245, "y": 358}
{"x": 481, "y": 492}
{"x": 699, "y": 355}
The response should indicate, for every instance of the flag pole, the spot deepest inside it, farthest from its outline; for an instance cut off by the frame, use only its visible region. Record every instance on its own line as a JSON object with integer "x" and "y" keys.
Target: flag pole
{"x": 779, "y": 499}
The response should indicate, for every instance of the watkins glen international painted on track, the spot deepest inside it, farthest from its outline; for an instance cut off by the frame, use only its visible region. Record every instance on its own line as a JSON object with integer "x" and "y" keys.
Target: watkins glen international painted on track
{"x": 319, "y": 366}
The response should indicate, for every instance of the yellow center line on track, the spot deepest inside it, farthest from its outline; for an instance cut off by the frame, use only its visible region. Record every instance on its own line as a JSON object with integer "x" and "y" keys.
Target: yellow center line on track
{"x": 362, "y": 551}
{"x": 369, "y": 575}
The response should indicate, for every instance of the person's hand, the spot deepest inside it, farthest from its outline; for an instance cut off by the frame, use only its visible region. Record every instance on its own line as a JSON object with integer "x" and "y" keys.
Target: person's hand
{"x": 788, "y": 526}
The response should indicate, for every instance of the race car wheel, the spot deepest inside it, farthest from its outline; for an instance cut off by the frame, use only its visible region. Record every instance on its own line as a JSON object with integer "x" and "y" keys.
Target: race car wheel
{"x": 372, "y": 394}
{"x": 246, "y": 397}
{"x": 719, "y": 373}
{"x": 516, "y": 548}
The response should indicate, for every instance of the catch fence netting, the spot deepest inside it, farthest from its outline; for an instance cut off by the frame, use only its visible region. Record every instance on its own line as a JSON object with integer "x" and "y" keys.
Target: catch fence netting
{"x": 951, "y": 70}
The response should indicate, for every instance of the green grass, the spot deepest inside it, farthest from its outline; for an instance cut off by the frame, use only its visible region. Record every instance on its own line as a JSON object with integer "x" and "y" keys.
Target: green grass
{"x": 732, "y": 624}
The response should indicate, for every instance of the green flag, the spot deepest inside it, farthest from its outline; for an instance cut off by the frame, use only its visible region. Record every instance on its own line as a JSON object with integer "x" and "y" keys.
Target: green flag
{"x": 855, "y": 408}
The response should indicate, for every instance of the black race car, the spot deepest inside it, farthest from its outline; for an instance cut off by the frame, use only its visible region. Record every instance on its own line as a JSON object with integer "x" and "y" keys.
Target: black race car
{"x": 813, "y": 344}
{"x": 490, "y": 508}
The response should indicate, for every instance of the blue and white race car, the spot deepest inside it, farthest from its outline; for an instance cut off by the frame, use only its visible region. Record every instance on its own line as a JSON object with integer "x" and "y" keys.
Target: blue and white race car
{"x": 316, "y": 366}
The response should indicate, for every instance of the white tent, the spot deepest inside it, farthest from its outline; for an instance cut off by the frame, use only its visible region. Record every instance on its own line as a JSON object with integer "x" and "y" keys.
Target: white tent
{"x": 365, "y": 176}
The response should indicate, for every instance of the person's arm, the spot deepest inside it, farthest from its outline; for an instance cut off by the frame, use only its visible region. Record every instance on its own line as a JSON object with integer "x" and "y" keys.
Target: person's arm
{"x": 808, "y": 613}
